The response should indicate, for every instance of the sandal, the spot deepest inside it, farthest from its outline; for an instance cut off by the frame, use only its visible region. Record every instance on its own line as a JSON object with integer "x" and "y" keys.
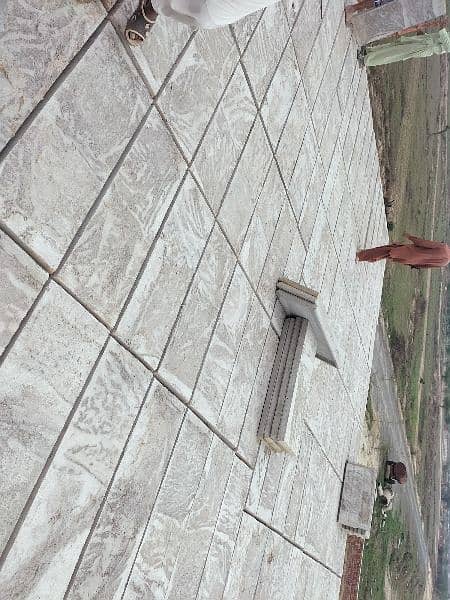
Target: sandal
{"x": 361, "y": 56}
{"x": 139, "y": 23}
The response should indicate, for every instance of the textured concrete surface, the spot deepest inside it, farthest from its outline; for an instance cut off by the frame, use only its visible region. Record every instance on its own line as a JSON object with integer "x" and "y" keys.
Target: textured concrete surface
{"x": 357, "y": 498}
{"x": 150, "y": 200}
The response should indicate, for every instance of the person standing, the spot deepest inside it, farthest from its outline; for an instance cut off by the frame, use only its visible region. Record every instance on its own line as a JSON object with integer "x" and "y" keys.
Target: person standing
{"x": 405, "y": 48}
{"x": 421, "y": 254}
{"x": 204, "y": 14}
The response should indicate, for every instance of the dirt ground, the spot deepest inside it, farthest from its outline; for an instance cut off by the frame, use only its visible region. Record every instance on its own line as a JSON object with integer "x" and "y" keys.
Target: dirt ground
{"x": 371, "y": 444}
{"x": 389, "y": 593}
{"x": 409, "y": 103}
{"x": 391, "y": 563}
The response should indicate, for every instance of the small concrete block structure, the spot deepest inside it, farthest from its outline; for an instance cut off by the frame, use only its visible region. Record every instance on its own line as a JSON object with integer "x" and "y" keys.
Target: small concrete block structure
{"x": 294, "y": 361}
{"x": 305, "y": 335}
{"x": 357, "y": 499}
{"x": 301, "y": 301}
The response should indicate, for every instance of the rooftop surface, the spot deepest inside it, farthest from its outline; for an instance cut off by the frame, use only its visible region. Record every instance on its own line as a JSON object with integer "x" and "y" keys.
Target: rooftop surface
{"x": 149, "y": 201}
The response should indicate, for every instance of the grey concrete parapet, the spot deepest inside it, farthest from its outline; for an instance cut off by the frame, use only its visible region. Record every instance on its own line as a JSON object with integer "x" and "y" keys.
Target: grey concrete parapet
{"x": 301, "y": 301}
{"x": 290, "y": 379}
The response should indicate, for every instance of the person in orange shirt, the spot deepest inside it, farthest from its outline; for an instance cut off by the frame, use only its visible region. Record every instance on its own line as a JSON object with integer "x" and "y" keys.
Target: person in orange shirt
{"x": 421, "y": 254}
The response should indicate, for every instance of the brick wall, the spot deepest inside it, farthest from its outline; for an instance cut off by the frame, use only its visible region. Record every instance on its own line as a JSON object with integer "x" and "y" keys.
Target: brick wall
{"x": 352, "y": 568}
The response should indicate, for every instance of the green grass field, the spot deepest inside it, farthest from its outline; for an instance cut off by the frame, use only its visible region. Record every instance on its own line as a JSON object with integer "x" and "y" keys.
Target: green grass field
{"x": 389, "y": 551}
{"x": 408, "y": 110}
{"x": 415, "y": 177}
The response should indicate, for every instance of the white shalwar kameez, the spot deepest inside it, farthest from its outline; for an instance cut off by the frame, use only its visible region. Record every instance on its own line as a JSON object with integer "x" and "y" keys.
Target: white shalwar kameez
{"x": 208, "y": 14}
